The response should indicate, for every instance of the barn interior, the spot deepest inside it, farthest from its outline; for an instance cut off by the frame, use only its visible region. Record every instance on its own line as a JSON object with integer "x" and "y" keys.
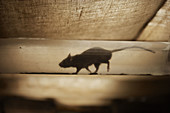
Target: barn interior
{"x": 35, "y": 35}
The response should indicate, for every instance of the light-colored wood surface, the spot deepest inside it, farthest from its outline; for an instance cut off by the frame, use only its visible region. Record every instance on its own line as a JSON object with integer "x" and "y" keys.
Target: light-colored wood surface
{"x": 83, "y": 90}
{"x": 82, "y": 19}
{"x": 44, "y": 56}
{"x": 159, "y": 27}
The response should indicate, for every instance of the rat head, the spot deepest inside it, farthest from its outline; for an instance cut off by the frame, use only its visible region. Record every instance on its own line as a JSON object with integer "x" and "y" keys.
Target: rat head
{"x": 66, "y": 62}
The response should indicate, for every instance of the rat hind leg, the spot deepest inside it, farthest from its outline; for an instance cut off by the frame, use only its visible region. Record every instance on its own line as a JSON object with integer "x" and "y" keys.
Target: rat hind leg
{"x": 97, "y": 67}
{"x": 108, "y": 66}
{"x": 87, "y": 68}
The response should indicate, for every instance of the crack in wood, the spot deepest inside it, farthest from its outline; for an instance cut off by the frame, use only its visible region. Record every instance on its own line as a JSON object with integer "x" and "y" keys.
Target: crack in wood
{"x": 148, "y": 21}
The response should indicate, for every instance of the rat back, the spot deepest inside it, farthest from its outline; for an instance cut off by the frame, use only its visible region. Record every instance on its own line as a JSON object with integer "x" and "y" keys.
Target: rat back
{"x": 97, "y": 55}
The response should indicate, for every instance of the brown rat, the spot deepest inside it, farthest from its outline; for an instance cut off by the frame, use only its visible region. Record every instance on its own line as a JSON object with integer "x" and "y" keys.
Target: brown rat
{"x": 91, "y": 56}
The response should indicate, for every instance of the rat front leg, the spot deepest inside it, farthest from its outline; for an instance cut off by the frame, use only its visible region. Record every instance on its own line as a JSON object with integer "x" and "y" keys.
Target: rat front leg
{"x": 78, "y": 69}
{"x": 108, "y": 66}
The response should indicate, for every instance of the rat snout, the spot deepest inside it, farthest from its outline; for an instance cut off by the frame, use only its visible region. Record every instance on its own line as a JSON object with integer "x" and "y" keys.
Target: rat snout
{"x": 60, "y": 64}
{"x": 63, "y": 65}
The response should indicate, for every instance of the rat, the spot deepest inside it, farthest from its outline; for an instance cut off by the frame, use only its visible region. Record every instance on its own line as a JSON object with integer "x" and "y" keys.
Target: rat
{"x": 95, "y": 56}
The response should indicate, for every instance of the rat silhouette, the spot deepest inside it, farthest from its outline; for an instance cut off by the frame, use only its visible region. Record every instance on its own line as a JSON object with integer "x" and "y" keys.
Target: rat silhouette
{"x": 95, "y": 55}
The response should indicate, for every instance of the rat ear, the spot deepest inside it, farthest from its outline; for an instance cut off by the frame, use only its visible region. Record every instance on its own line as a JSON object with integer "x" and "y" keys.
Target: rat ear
{"x": 69, "y": 55}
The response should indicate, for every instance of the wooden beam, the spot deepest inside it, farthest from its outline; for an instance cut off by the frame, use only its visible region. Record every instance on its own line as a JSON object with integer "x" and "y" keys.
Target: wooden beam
{"x": 44, "y": 56}
{"x": 83, "y": 90}
{"x": 78, "y": 19}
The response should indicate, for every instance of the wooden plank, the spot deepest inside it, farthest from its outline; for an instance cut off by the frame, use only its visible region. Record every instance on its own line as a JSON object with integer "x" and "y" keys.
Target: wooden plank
{"x": 83, "y": 90}
{"x": 159, "y": 28}
{"x": 44, "y": 56}
{"x": 76, "y": 19}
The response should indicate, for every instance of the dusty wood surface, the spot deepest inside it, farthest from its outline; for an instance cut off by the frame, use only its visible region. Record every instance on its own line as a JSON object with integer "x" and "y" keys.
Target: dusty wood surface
{"x": 81, "y": 19}
{"x": 44, "y": 56}
{"x": 83, "y": 90}
{"x": 159, "y": 27}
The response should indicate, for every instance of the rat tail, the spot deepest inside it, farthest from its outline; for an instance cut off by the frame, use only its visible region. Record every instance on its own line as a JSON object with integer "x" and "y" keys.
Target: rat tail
{"x": 116, "y": 50}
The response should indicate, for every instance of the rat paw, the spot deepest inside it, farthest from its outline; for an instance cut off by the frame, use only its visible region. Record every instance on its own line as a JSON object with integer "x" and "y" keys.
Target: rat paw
{"x": 74, "y": 73}
{"x": 93, "y": 73}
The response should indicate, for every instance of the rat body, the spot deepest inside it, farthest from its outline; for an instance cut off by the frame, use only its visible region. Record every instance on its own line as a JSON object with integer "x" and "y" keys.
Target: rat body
{"x": 91, "y": 56}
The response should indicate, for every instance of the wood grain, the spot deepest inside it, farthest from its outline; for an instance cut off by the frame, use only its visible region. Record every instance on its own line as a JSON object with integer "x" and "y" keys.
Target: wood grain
{"x": 83, "y": 90}
{"x": 159, "y": 28}
{"x": 75, "y": 19}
